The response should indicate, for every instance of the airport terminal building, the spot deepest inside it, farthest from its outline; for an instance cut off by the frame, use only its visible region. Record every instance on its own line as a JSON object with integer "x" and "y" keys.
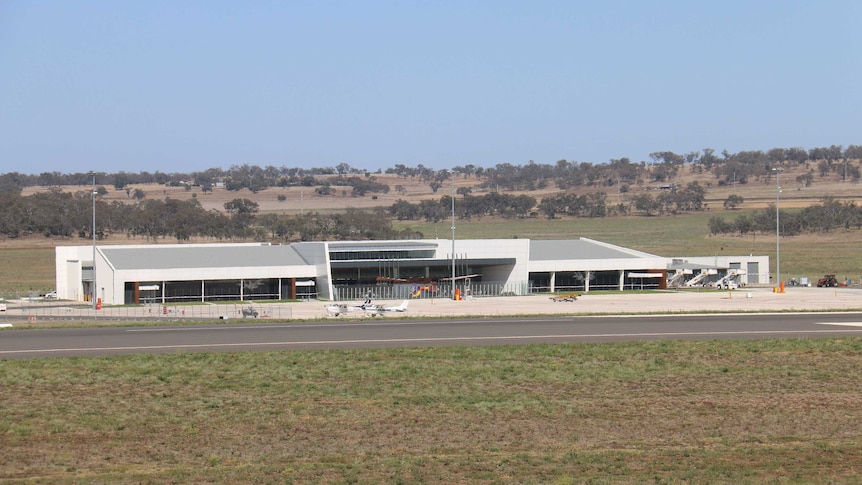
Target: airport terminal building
{"x": 393, "y": 269}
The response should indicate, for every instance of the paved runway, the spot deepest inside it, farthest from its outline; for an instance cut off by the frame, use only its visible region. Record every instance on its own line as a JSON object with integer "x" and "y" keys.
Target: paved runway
{"x": 417, "y": 332}
{"x": 513, "y": 320}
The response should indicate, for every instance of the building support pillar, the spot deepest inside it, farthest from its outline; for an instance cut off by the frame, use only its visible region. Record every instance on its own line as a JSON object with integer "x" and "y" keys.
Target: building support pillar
{"x": 553, "y": 281}
{"x": 291, "y": 289}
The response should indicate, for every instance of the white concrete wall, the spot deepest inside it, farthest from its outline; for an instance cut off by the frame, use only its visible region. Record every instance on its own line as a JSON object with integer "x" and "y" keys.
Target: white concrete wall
{"x": 518, "y": 249}
{"x": 726, "y": 261}
{"x": 111, "y": 282}
{"x": 600, "y": 264}
{"x": 317, "y": 254}
{"x": 68, "y": 261}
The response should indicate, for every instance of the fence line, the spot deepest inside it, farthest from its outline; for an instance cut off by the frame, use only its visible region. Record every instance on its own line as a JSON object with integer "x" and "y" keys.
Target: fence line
{"x": 149, "y": 312}
{"x": 427, "y": 291}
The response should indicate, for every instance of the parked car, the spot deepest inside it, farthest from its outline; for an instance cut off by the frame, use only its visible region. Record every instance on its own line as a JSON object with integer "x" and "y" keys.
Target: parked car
{"x": 51, "y": 295}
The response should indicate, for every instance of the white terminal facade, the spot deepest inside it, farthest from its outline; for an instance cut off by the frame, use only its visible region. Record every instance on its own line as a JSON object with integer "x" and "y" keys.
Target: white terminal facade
{"x": 347, "y": 270}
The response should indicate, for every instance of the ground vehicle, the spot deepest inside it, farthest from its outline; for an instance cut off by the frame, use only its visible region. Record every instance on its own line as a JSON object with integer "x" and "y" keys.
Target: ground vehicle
{"x": 729, "y": 281}
{"x": 827, "y": 280}
{"x": 727, "y": 285}
{"x": 51, "y": 295}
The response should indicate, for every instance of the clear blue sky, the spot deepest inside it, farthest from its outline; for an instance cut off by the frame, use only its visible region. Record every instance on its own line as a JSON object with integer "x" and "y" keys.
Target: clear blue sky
{"x": 182, "y": 86}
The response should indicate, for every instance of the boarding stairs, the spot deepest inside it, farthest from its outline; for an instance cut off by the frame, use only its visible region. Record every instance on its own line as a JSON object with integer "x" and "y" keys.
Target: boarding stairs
{"x": 729, "y": 281}
{"x": 675, "y": 281}
{"x": 697, "y": 280}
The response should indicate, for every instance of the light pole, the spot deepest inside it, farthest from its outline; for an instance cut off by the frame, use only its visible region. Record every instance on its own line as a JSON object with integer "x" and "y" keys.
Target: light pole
{"x": 453, "y": 235}
{"x": 95, "y": 292}
{"x": 777, "y": 228}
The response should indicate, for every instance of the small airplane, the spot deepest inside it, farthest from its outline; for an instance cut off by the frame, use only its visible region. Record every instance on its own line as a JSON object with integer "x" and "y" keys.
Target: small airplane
{"x": 338, "y": 309}
{"x": 378, "y": 311}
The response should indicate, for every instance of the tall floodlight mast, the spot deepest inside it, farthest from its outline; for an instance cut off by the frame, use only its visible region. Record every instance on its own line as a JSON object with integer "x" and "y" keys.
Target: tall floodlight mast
{"x": 94, "y": 292}
{"x": 777, "y": 171}
{"x": 453, "y": 234}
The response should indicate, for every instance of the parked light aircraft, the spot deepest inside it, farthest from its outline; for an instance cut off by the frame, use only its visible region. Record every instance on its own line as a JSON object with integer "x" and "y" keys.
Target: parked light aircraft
{"x": 369, "y": 309}
{"x": 397, "y": 309}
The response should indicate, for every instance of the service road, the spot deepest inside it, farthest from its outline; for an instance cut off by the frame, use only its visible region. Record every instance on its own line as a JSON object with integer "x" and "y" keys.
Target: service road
{"x": 378, "y": 333}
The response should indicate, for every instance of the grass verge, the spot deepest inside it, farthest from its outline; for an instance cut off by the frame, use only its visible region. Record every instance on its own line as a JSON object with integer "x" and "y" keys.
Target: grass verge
{"x": 714, "y": 411}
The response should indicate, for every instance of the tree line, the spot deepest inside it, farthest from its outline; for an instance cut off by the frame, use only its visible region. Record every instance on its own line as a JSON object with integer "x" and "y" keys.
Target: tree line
{"x": 55, "y": 213}
{"x": 595, "y": 204}
{"x": 467, "y": 208}
{"x": 662, "y": 167}
{"x": 824, "y": 217}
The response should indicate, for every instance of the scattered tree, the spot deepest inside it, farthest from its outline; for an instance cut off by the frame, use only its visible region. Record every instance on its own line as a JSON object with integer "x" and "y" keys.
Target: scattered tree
{"x": 733, "y": 201}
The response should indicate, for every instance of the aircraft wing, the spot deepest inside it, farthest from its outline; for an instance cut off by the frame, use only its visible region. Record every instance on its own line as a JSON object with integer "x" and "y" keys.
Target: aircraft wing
{"x": 400, "y": 308}
{"x": 338, "y": 309}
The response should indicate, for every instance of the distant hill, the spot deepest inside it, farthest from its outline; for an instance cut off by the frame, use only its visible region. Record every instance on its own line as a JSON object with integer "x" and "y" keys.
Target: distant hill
{"x": 758, "y": 192}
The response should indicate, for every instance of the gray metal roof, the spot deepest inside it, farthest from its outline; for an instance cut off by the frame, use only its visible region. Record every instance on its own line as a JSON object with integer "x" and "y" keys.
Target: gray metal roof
{"x": 687, "y": 265}
{"x": 544, "y": 250}
{"x": 419, "y": 263}
{"x": 200, "y": 256}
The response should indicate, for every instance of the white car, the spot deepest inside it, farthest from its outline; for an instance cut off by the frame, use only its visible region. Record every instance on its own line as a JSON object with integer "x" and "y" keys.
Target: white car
{"x": 51, "y": 295}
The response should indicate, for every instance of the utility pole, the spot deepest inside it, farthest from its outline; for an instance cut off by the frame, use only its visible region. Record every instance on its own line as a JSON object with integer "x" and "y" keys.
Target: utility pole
{"x": 453, "y": 235}
{"x": 777, "y": 228}
{"x": 95, "y": 290}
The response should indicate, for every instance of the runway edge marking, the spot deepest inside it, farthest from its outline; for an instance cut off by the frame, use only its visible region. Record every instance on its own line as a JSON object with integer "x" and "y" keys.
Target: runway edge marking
{"x": 842, "y": 324}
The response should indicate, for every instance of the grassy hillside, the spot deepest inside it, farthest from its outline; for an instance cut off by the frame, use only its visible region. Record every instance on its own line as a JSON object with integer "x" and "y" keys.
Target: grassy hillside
{"x": 26, "y": 267}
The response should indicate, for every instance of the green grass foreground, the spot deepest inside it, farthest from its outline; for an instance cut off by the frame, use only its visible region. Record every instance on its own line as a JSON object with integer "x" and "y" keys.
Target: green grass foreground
{"x": 784, "y": 411}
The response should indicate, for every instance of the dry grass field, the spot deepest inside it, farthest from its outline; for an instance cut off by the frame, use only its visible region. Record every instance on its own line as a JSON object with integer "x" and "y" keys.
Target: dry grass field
{"x": 642, "y": 412}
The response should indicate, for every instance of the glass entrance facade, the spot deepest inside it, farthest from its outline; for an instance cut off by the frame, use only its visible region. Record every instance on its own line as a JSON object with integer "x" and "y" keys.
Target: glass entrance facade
{"x": 216, "y": 290}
